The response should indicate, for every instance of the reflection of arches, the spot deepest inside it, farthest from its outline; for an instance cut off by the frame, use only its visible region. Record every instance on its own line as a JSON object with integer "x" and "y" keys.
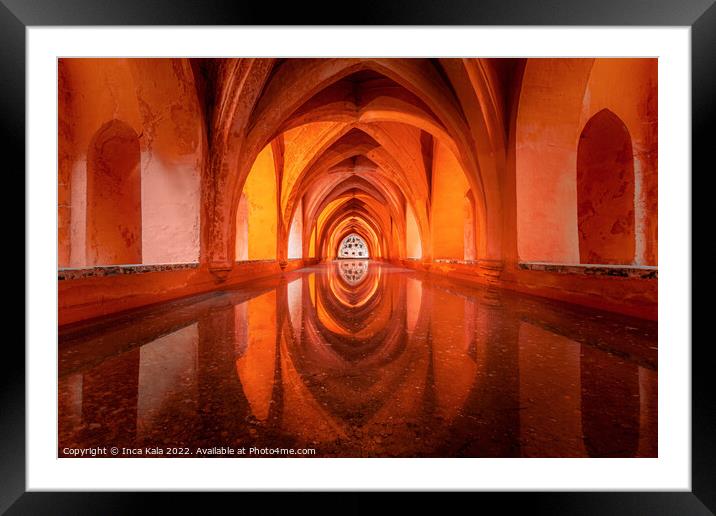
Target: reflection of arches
{"x": 353, "y": 246}
{"x": 284, "y": 96}
{"x": 114, "y": 196}
{"x": 605, "y": 191}
{"x": 610, "y": 404}
{"x": 361, "y": 216}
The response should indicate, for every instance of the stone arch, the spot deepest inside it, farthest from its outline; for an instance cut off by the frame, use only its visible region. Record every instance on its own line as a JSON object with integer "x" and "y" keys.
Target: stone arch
{"x": 372, "y": 144}
{"x": 374, "y": 194}
{"x": 364, "y": 230}
{"x": 350, "y": 216}
{"x": 356, "y": 208}
{"x": 354, "y": 222}
{"x": 269, "y": 101}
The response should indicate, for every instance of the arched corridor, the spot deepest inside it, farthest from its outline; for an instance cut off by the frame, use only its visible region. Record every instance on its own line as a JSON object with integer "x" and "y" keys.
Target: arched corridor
{"x": 371, "y": 257}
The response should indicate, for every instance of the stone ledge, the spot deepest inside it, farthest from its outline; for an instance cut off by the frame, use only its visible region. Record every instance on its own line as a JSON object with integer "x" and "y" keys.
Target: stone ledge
{"x": 621, "y": 271}
{"x": 113, "y": 270}
{"x": 456, "y": 261}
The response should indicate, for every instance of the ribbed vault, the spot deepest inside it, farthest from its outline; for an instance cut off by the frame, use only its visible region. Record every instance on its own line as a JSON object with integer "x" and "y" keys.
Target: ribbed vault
{"x": 352, "y": 140}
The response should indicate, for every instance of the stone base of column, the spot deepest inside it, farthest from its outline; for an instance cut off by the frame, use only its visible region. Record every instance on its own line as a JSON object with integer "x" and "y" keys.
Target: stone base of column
{"x": 220, "y": 272}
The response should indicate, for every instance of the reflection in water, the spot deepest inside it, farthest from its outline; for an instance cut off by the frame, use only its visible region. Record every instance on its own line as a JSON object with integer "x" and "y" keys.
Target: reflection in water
{"x": 356, "y": 358}
{"x": 353, "y": 271}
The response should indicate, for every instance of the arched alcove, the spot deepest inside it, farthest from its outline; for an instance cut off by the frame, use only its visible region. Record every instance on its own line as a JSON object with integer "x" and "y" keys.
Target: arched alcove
{"x": 242, "y": 229}
{"x": 295, "y": 242}
{"x": 605, "y": 191}
{"x": 262, "y": 209}
{"x": 413, "y": 245}
{"x": 449, "y": 185}
{"x": 469, "y": 227}
{"x": 353, "y": 246}
{"x": 114, "y": 196}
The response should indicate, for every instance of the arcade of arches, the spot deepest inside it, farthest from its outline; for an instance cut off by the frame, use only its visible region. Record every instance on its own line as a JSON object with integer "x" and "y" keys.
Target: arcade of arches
{"x": 483, "y": 183}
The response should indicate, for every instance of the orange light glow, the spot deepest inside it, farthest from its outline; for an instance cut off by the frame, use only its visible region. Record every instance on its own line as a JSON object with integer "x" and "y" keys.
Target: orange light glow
{"x": 413, "y": 155}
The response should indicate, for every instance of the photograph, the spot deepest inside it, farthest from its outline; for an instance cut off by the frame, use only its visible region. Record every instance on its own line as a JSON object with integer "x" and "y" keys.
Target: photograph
{"x": 357, "y": 257}
{"x": 423, "y": 248}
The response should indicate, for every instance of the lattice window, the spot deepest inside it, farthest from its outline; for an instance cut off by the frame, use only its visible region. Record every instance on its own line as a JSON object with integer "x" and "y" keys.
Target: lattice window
{"x": 353, "y": 246}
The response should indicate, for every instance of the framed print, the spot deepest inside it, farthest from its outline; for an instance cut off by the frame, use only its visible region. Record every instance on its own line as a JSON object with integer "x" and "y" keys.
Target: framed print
{"x": 447, "y": 249}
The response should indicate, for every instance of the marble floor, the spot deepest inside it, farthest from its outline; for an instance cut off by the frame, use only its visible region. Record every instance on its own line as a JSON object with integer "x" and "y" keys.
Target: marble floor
{"x": 360, "y": 359}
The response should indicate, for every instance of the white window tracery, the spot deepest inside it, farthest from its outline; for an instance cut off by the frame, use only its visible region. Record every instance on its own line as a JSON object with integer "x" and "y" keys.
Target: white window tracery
{"x": 353, "y": 246}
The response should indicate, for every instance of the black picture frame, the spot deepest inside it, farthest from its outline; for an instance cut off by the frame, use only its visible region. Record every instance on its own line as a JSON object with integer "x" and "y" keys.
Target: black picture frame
{"x": 700, "y": 15}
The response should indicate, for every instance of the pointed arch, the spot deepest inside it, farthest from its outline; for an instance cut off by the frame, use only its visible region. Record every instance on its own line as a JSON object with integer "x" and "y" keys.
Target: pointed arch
{"x": 605, "y": 191}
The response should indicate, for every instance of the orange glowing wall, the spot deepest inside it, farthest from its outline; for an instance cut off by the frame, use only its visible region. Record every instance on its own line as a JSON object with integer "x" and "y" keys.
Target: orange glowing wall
{"x": 312, "y": 245}
{"x": 91, "y": 93}
{"x": 547, "y": 128}
{"x": 561, "y": 155}
{"x": 628, "y": 88}
{"x": 156, "y": 100}
{"x": 242, "y": 229}
{"x": 260, "y": 189}
{"x": 172, "y": 159}
{"x": 558, "y": 99}
{"x": 413, "y": 244}
{"x": 449, "y": 188}
{"x": 392, "y": 251}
